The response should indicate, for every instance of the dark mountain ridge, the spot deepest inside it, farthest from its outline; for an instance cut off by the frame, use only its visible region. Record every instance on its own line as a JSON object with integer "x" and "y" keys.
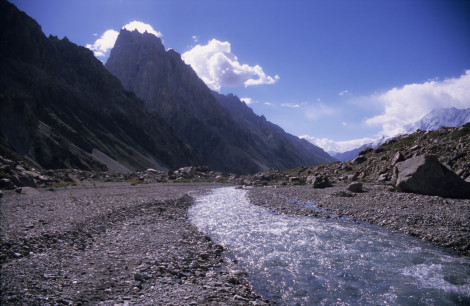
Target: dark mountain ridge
{"x": 60, "y": 108}
{"x": 202, "y": 119}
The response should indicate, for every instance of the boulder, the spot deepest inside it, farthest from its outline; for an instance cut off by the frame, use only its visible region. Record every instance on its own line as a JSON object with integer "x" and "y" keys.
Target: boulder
{"x": 310, "y": 179}
{"x": 321, "y": 181}
{"x": 359, "y": 160}
{"x": 365, "y": 151}
{"x": 6, "y": 184}
{"x": 355, "y": 187}
{"x": 398, "y": 157}
{"x": 424, "y": 174}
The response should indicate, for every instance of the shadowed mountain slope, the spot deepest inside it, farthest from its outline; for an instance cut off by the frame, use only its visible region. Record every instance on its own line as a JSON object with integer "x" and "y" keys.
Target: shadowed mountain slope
{"x": 61, "y": 108}
{"x": 214, "y": 130}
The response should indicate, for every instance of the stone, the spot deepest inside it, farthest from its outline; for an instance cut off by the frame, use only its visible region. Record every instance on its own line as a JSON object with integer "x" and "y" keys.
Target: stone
{"x": 321, "y": 181}
{"x": 27, "y": 191}
{"x": 73, "y": 179}
{"x": 32, "y": 174}
{"x": 355, "y": 187}
{"x": 365, "y": 151}
{"x": 424, "y": 174}
{"x": 383, "y": 177}
{"x": 359, "y": 160}
{"x": 246, "y": 182}
{"x": 7, "y": 184}
{"x": 398, "y": 157}
{"x": 294, "y": 179}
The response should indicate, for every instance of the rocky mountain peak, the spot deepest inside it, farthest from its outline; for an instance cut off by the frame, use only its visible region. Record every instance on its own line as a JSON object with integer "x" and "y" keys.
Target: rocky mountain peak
{"x": 145, "y": 42}
{"x": 213, "y": 128}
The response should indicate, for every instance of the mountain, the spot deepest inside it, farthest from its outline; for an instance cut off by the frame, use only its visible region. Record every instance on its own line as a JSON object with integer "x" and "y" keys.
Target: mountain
{"x": 291, "y": 149}
{"x": 437, "y": 118}
{"x": 60, "y": 107}
{"x": 210, "y": 127}
{"x": 351, "y": 154}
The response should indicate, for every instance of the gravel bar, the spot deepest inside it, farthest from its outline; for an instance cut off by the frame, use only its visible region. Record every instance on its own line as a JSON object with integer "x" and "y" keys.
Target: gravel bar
{"x": 113, "y": 244}
{"x": 444, "y": 222}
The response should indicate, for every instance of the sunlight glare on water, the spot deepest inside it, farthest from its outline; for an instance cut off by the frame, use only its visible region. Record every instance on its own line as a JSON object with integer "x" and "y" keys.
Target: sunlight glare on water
{"x": 294, "y": 259}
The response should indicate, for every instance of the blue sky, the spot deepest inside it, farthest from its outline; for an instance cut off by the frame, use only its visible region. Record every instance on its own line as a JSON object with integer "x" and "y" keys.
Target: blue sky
{"x": 338, "y": 73}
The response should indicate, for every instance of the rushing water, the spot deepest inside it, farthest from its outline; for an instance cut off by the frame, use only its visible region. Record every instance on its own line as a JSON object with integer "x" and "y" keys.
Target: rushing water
{"x": 304, "y": 260}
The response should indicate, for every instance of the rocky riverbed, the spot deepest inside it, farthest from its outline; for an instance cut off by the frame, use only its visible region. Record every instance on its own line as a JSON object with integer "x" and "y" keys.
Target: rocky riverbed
{"x": 444, "y": 222}
{"x": 113, "y": 244}
{"x": 124, "y": 244}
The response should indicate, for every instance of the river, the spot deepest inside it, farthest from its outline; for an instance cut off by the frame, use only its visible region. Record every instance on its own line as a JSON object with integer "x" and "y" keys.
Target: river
{"x": 304, "y": 260}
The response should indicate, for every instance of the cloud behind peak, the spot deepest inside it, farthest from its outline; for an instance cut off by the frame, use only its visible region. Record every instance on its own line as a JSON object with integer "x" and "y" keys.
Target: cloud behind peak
{"x": 217, "y": 66}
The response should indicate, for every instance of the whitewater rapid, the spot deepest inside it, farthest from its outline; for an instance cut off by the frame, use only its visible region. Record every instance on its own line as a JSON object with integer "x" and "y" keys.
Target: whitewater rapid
{"x": 295, "y": 259}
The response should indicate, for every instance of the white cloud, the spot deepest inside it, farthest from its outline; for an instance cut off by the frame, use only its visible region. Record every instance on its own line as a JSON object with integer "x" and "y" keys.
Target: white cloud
{"x": 217, "y": 66}
{"x": 344, "y": 92}
{"x": 195, "y": 38}
{"x": 104, "y": 43}
{"x": 142, "y": 28}
{"x": 290, "y": 105}
{"x": 337, "y": 146}
{"x": 411, "y": 102}
{"x": 246, "y": 100}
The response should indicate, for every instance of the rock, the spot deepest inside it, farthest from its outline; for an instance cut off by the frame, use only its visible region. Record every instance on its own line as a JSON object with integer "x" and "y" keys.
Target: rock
{"x": 365, "y": 151}
{"x": 398, "y": 157}
{"x": 321, "y": 181}
{"x": 246, "y": 182}
{"x": 294, "y": 179}
{"x": 355, "y": 187}
{"x": 27, "y": 190}
{"x": 383, "y": 177}
{"x": 310, "y": 179}
{"x": 424, "y": 174}
{"x": 32, "y": 174}
{"x": 73, "y": 179}
{"x": 359, "y": 160}
{"x": 1, "y": 194}
{"x": 7, "y": 184}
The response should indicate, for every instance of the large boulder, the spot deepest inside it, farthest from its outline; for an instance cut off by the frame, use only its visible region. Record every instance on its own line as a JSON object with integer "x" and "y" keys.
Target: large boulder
{"x": 424, "y": 174}
{"x": 321, "y": 181}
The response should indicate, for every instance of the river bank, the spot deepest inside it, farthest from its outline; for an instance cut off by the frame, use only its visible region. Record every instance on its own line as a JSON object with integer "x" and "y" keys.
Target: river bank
{"x": 113, "y": 244}
{"x": 444, "y": 222}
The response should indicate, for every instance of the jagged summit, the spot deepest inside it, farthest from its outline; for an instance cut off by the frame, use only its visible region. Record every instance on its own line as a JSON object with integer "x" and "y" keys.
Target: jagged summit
{"x": 200, "y": 119}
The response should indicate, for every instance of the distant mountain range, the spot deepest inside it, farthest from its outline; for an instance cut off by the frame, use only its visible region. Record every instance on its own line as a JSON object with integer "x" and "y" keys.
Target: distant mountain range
{"x": 437, "y": 118}
{"x": 61, "y": 108}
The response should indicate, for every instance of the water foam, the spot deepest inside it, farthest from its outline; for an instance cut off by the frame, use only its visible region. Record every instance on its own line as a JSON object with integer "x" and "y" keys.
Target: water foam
{"x": 305, "y": 260}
